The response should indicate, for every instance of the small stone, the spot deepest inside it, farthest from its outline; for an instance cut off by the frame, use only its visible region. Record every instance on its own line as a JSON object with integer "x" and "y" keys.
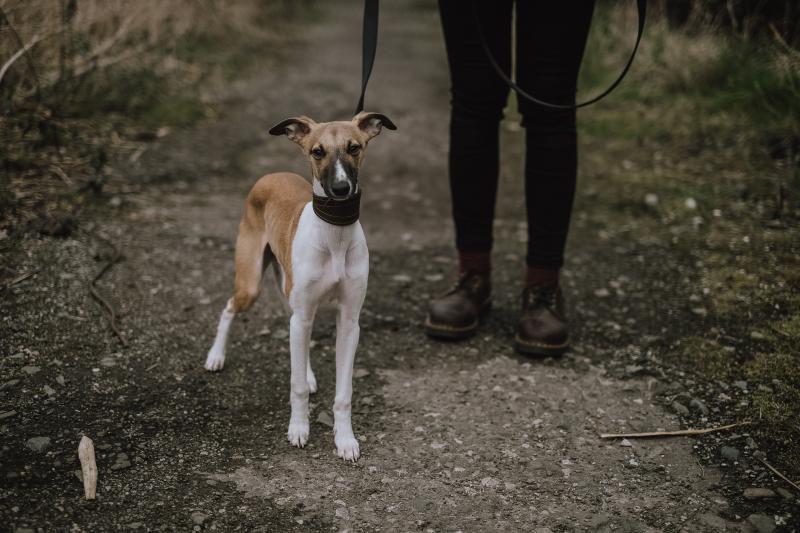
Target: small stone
{"x": 78, "y": 474}
{"x": 50, "y": 391}
{"x": 602, "y": 292}
{"x": 699, "y": 406}
{"x": 690, "y": 203}
{"x": 7, "y": 414}
{"x": 108, "y": 362}
{"x": 360, "y": 373}
{"x": 325, "y": 418}
{"x": 199, "y": 517}
{"x": 758, "y": 493}
{"x": 38, "y": 444}
{"x": 60, "y": 379}
{"x": 762, "y": 523}
{"x": 740, "y": 384}
{"x": 280, "y": 334}
{"x": 30, "y": 369}
{"x": 489, "y": 482}
{"x": 401, "y": 278}
{"x": 714, "y": 522}
{"x": 730, "y": 453}
{"x": 785, "y": 494}
{"x": 626, "y": 443}
{"x": 680, "y": 408}
{"x": 651, "y": 199}
{"x": 342, "y": 513}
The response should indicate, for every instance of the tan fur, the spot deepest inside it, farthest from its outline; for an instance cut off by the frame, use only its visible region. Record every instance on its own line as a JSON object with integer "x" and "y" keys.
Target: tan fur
{"x": 272, "y": 212}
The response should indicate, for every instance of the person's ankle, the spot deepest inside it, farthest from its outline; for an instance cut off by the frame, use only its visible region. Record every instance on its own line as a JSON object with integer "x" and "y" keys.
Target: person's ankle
{"x": 475, "y": 262}
{"x": 541, "y": 276}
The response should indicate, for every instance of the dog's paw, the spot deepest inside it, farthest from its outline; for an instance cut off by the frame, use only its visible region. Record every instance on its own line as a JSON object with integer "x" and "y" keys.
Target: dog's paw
{"x": 215, "y": 361}
{"x": 347, "y": 448}
{"x": 298, "y": 434}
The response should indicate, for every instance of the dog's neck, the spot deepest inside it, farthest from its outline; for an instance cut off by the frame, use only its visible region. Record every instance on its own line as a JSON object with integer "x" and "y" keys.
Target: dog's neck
{"x": 337, "y": 212}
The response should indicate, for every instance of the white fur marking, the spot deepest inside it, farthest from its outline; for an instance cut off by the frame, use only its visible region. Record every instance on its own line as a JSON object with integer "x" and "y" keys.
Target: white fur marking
{"x": 341, "y": 175}
{"x": 216, "y": 355}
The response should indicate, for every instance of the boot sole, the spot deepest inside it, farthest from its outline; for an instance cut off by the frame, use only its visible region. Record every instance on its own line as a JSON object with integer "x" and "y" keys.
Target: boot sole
{"x": 539, "y": 348}
{"x": 446, "y": 332}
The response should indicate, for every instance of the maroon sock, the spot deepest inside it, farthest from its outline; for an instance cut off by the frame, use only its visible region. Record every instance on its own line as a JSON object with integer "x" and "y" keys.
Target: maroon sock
{"x": 480, "y": 262}
{"x": 540, "y": 276}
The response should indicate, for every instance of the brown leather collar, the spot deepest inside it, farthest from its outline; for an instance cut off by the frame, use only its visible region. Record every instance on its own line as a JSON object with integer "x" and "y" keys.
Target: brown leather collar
{"x": 337, "y": 212}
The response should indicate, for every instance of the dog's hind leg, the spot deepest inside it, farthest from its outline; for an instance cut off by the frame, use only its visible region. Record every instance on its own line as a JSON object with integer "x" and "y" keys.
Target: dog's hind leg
{"x": 252, "y": 255}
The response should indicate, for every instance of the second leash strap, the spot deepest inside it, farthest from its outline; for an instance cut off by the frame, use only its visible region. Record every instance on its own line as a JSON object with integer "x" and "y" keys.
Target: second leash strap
{"x": 642, "y": 11}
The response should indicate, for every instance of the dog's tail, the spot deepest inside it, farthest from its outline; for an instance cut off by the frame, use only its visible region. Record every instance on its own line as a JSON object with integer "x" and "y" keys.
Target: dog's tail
{"x": 252, "y": 257}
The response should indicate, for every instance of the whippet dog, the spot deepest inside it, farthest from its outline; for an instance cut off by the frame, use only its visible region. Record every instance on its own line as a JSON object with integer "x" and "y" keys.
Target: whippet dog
{"x": 311, "y": 235}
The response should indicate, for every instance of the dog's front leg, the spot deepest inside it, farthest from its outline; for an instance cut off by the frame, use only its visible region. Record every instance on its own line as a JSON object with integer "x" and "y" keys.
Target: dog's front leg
{"x": 347, "y": 332}
{"x": 299, "y": 338}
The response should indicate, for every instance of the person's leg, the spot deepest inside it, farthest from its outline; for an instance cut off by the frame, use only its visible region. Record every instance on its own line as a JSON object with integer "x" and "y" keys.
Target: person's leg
{"x": 478, "y": 98}
{"x": 551, "y": 37}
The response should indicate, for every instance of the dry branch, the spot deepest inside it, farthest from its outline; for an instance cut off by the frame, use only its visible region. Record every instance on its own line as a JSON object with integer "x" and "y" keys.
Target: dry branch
{"x": 88, "y": 467}
{"x": 107, "y": 307}
{"x": 678, "y": 433}
{"x": 786, "y": 479}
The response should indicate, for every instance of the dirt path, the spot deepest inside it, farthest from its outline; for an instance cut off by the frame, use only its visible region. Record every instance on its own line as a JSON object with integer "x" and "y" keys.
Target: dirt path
{"x": 454, "y": 436}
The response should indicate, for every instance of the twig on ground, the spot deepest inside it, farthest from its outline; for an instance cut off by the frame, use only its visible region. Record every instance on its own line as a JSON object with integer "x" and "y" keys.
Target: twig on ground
{"x": 151, "y": 367}
{"x": 786, "y": 479}
{"x": 678, "y": 433}
{"x": 20, "y": 279}
{"x": 109, "y": 309}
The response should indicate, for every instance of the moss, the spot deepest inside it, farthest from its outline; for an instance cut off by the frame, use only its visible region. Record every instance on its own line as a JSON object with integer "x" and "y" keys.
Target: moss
{"x": 705, "y": 357}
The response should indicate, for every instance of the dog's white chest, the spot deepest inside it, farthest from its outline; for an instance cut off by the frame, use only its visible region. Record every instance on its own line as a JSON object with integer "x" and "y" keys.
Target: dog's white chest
{"x": 327, "y": 259}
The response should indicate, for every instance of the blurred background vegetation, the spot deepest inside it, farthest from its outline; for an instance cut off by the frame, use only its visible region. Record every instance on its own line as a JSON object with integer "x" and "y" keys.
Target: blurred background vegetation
{"x": 84, "y": 80}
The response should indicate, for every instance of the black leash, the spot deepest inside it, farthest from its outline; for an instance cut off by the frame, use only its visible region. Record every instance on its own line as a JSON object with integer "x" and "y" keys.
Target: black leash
{"x": 369, "y": 44}
{"x": 641, "y": 6}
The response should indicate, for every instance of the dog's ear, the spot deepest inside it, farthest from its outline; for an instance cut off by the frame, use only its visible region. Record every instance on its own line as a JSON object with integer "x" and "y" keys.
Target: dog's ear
{"x": 296, "y": 128}
{"x": 372, "y": 123}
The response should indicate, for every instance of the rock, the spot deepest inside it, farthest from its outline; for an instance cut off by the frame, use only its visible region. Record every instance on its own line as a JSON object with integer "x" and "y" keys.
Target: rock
{"x": 401, "y": 278}
{"x": 680, "y": 408}
{"x": 730, "y": 453}
{"x": 199, "y": 517}
{"x": 651, "y": 199}
{"x": 602, "y": 292}
{"x": 30, "y": 369}
{"x": 325, "y": 418}
{"x": 281, "y": 334}
{"x": 108, "y": 361}
{"x": 699, "y": 406}
{"x": 740, "y": 385}
{"x": 713, "y": 522}
{"x": 489, "y": 482}
{"x": 762, "y": 523}
{"x": 785, "y": 494}
{"x": 50, "y": 391}
{"x": 38, "y": 444}
{"x": 360, "y": 373}
{"x": 626, "y": 443}
{"x": 758, "y": 493}
{"x": 690, "y": 203}
{"x": 60, "y": 379}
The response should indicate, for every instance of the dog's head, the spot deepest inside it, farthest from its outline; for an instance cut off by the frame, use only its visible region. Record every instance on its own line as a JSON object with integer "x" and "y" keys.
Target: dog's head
{"x": 334, "y": 149}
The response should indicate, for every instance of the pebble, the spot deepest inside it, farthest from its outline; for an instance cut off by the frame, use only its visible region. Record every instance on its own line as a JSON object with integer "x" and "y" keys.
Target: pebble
{"x": 698, "y": 405}
{"x": 785, "y": 494}
{"x": 199, "y": 517}
{"x": 280, "y": 334}
{"x": 401, "y": 278}
{"x": 108, "y": 362}
{"x": 360, "y": 373}
{"x": 651, "y": 199}
{"x": 121, "y": 462}
{"x": 325, "y": 418}
{"x": 30, "y": 369}
{"x": 50, "y": 391}
{"x": 758, "y": 493}
{"x": 762, "y": 523}
{"x": 740, "y": 384}
{"x": 680, "y": 408}
{"x": 714, "y": 522}
{"x": 38, "y": 444}
{"x": 626, "y": 443}
{"x": 7, "y": 414}
{"x": 60, "y": 379}
{"x": 730, "y": 453}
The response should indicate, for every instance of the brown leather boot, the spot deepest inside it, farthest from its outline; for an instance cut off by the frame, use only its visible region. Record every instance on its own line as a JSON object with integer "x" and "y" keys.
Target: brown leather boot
{"x": 542, "y": 327}
{"x": 457, "y": 313}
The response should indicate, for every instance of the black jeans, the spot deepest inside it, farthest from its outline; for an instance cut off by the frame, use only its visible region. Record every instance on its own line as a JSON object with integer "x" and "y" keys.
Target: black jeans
{"x": 551, "y": 37}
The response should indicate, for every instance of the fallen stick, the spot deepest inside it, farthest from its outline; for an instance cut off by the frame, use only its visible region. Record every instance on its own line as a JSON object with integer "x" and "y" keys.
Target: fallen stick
{"x": 19, "y": 279}
{"x": 678, "y": 433}
{"x": 88, "y": 467}
{"x": 774, "y": 471}
{"x": 107, "y": 307}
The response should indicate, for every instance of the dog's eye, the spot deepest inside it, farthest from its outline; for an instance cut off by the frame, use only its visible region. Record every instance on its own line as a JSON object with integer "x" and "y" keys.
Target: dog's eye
{"x": 318, "y": 153}
{"x": 353, "y": 149}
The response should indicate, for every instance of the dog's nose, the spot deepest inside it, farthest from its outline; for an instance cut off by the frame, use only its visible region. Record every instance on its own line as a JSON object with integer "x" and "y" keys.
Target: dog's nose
{"x": 340, "y": 188}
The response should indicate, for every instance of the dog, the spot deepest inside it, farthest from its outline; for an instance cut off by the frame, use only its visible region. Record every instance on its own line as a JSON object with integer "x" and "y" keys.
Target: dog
{"x": 310, "y": 234}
